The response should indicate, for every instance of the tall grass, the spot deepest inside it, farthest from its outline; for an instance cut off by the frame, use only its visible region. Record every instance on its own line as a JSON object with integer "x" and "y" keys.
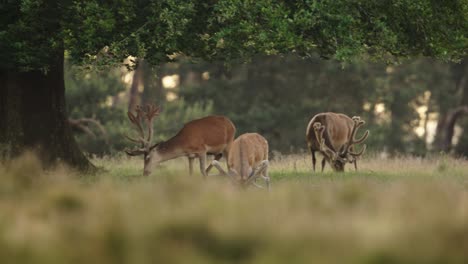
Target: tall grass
{"x": 403, "y": 210}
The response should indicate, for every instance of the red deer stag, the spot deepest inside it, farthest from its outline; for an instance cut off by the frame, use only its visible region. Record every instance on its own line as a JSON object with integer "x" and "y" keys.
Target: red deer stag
{"x": 211, "y": 135}
{"x": 334, "y": 136}
{"x": 248, "y": 160}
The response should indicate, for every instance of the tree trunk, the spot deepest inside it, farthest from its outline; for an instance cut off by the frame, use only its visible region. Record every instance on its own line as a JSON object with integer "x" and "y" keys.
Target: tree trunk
{"x": 446, "y": 125}
{"x": 440, "y": 132}
{"x": 452, "y": 118}
{"x": 398, "y": 111}
{"x": 154, "y": 91}
{"x": 137, "y": 81}
{"x": 32, "y": 117}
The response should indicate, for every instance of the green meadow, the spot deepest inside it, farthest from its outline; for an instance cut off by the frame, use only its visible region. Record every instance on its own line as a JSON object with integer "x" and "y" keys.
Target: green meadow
{"x": 393, "y": 210}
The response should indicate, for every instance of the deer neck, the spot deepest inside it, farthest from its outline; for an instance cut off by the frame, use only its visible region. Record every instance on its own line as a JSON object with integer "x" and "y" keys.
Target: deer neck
{"x": 168, "y": 150}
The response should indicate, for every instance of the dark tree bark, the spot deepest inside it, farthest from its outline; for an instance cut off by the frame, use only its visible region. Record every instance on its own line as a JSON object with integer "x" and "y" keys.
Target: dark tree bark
{"x": 153, "y": 92}
{"x": 398, "y": 111}
{"x": 446, "y": 124}
{"x": 440, "y": 132}
{"x": 32, "y": 117}
{"x": 137, "y": 81}
{"x": 452, "y": 118}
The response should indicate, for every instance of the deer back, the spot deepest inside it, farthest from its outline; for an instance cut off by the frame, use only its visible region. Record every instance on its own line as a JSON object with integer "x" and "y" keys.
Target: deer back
{"x": 211, "y": 134}
{"x": 337, "y": 130}
{"x": 246, "y": 152}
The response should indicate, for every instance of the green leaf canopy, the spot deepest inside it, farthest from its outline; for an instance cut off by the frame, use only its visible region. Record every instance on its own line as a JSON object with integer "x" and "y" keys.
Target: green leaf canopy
{"x": 97, "y": 32}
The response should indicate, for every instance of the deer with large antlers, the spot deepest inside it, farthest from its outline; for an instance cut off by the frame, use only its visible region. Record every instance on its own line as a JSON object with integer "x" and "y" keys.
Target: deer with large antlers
{"x": 248, "y": 160}
{"x": 211, "y": 135}
{"x": 333, "y": 135}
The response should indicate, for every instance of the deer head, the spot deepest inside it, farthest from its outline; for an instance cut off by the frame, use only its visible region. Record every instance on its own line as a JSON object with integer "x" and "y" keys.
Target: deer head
{"x": 143, "y": 120}
{"x": 252, "y": 175}
{"x": 346, "y": 154}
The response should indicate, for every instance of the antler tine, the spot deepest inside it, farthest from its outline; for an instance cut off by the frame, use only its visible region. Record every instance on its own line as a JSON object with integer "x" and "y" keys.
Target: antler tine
{"x": 358, "y": 122}
{"x": 139, "y": 140}
{"x": 136, "y": 120}
{"x": 151, "y": 112}
{"x": 364, "y": 147}
{"x": 364, "y": 137}
{"x": 135, "y": 152}
{"x": 319, "y": 129}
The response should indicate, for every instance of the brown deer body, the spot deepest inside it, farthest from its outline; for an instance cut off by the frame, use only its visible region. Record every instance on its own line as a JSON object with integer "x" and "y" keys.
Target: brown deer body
{"x": 211, "y": 135}
{"x": 248, "y": 160}
{"x": 333, "y": 134}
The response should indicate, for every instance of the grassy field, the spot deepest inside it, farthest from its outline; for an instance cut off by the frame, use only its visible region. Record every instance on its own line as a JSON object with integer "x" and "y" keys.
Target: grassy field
{"x": 401, "y": 210}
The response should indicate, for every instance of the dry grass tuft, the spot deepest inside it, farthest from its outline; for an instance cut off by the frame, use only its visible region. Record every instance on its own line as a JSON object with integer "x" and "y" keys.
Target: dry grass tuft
{"x": 403, "y": 210}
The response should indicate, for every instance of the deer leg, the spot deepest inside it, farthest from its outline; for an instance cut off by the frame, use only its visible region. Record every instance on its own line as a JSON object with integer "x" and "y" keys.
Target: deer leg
{"x": 266, "y": 177}
{"x": 202, "y": 157}
{"x": 354, "y": 159}
{"x": 254, "y": 176}
{"x": 217, "y": 158}
{"x": 226, "y": 157}
{"x": 260, "y": 169}
{"x": 263, "y": 171}
{"x": 323, "y": 163}
{"x": 190, "y": 162}
{"x": 314, "y": 160}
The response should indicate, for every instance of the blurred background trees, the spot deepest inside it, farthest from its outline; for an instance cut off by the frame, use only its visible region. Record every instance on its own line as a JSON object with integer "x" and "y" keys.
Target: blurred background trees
{"x": 274, "y": 93}
{"x": 408, "y": 106}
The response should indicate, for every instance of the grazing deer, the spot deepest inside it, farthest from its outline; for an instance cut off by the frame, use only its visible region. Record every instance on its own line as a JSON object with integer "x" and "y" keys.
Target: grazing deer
{"x": 334, "y": 136}
{"x": 248, "y": 160}
{"x": 211, "y": 135}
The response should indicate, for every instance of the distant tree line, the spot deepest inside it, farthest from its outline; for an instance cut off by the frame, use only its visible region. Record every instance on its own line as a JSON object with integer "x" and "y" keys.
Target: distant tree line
{"x": 37, "y": 35}
{"x": 277, "y": 95}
